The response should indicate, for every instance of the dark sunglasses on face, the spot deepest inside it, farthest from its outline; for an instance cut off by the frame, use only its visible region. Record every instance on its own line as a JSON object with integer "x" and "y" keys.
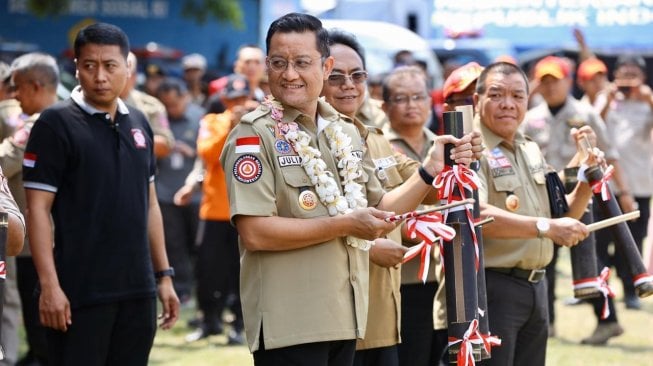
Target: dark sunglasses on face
{"x": 356, "y": 77}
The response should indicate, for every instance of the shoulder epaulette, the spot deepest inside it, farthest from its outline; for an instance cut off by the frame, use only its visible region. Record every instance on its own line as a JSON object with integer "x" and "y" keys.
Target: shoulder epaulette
{"x": 375, "y": 130}
{"x": 255, "y": 114}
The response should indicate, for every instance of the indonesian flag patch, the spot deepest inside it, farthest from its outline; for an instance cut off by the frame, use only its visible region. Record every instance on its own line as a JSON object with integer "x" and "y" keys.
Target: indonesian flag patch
{"x": 139, "y": 138}
{"x": 248, "y": 144}
{"x": 29, "y": 160}
{"x": 3, "y": 270}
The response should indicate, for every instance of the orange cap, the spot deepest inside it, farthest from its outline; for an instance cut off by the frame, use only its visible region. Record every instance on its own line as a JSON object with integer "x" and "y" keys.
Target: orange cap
{"x": 461, "y": 78}
{"x": 552, "y": 65}
{"x": 590, "y": 67}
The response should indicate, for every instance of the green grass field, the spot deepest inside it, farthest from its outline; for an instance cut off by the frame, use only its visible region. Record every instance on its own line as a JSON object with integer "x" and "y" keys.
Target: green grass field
{"x": 633, "y": 348}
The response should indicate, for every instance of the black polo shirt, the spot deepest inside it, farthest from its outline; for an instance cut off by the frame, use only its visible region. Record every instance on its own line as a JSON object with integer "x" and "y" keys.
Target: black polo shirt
{"x": 100, "y": 173}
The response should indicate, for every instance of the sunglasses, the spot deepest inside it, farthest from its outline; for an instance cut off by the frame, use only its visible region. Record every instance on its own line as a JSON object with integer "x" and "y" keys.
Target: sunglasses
{"x": 338, "y": 79}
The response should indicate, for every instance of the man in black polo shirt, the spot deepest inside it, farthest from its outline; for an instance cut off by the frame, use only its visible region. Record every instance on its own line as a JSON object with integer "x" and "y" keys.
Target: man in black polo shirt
{"x": 89, "y": 162}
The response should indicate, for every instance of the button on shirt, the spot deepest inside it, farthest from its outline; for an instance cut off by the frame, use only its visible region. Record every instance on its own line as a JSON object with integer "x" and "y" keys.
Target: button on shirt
{"x": 519, "y": 171}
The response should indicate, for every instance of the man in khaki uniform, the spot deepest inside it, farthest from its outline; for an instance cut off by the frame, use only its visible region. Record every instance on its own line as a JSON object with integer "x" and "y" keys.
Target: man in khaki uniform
{"x": 407, "y": 105}
{"x": 34, "y": 77}
{"x": 345, "y": 90}
{"x": 9, "y": 107}
{"x": 152, "y": 108}
{"x": 304, "y": 280}
{"x": 518, "y": 245}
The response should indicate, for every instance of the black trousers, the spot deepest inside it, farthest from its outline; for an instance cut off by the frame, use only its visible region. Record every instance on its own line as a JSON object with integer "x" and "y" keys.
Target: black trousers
{"x": 380, "y": 356}
{"x": 418, "y": 344}
{"x": 218, "y": 273}
{"x": 180, "y": 229}
{"x": 518, "y": 314}
{"x": 119, "y": 333}
{"x": 27, "y": 280}
{"x": 330, "y": 353}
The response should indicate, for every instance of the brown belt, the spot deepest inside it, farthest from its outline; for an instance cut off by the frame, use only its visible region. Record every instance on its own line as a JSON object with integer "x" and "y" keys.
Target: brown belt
{"x": 530, "y": 275}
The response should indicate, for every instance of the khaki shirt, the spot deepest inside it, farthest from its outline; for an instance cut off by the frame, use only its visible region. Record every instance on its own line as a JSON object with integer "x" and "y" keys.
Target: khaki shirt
{"x": 12, "y": 149}
{"x": 10, "y": 112}
{"x": 551, "y": 133}
{"x": 521, "y": 172}
{"x": 371, "y": 113}
{"x": 154, "y": 111}
{"x": 410, "y": 269}
{"x": 384, "y": 313}
{"x": 313, "y": 294}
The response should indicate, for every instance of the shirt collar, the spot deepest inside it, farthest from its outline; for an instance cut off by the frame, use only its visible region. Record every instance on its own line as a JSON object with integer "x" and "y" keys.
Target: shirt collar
{"x": 78, "y": 97}
{"x": 492, "y": 140}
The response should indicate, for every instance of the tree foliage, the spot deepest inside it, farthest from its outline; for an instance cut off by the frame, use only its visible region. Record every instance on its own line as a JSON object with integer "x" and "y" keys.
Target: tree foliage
{"x": 201, "y": 11}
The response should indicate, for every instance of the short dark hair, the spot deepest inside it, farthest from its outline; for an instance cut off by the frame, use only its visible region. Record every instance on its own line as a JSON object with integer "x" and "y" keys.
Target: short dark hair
{"x": 300, "y": 23}
{"x": 339, "y": 36}
{"x": 172, "y": 84}
{"x": 104, "y": 34}
{"x": 504, "y": 68}
{"x": 402, "y": 71}
{"x": 630, "y": 59}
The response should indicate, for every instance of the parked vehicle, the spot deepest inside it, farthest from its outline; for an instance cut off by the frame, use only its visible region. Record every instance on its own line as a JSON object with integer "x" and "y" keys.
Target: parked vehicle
{"x": 383, "y": 40}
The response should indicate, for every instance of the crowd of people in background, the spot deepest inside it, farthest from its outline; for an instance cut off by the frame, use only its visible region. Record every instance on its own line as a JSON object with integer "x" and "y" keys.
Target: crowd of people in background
{"x": 197, "y": 145}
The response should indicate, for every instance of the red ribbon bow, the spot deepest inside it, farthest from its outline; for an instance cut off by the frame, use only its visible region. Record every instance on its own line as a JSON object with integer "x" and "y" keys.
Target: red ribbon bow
{"x": 458, "y": 176}
{"x": 426, "y": 227}
{"x": 601, "y": 186}
{"x": 466, "y": 352}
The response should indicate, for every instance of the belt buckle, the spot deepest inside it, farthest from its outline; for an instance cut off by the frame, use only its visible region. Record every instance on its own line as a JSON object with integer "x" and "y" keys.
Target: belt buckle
{"x": 536, "y": 275}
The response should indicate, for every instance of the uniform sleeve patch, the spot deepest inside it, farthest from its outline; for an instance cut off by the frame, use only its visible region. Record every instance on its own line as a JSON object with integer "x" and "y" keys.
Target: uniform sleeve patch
{"x": 248, "y": 144}
{"x": 247, "y": 169}
{"x": 29, "y": 160}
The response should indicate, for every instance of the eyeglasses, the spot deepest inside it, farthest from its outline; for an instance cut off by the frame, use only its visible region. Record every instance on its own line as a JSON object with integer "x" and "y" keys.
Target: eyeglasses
{"x": 279, "y": 64}
{"x": 338, "y": 79}
{"x": 404, "y": 99}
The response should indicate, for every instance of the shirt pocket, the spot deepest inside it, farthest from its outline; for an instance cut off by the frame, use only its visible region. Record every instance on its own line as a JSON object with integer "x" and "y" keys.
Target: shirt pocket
{"x": 302, "y": 199}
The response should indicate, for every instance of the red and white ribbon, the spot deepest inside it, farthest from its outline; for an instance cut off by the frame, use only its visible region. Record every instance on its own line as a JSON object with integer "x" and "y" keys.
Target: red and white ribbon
{"x": 641, "y": 278}
{"x": 426, "y": 227}
{"x": 458, "y": 176}
{"x": 466, "y": 352}
{"x": 605, "y": 290}
{"x": 601, "y": 186}
{"x": 489, "y": 341}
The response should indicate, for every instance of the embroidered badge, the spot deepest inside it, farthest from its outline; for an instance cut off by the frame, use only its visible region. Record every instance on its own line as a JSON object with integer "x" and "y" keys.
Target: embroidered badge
{"x": 289, "y": 160}
{"x": 307, "y": 199}
{"x": 499, "y": 163}
{"x": 282, "y": 146}
{"x": 247, "y": 169}
{"x": 139, "y": 138}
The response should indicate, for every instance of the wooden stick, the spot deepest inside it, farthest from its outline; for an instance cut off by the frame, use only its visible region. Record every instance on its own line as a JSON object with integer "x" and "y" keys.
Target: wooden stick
{"x": 408, "y": 215}
{"x": 613, "y": 221}
{"x": 486, "y": 220}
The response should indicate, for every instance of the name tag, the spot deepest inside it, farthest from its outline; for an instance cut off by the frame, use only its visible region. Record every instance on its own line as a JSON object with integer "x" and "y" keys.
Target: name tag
{"x": 289, "y": 160}
{"x": 385, "y": 162}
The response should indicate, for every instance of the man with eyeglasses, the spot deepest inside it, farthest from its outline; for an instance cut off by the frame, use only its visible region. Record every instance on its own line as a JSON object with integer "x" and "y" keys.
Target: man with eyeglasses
{"x": 407, "y": 104}
{"x": 304, "y": 278}
{"x": 345, "y": 91}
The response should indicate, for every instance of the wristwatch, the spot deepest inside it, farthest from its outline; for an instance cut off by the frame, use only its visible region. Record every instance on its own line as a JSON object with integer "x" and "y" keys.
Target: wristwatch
{"x": 170, "y": 272}
{"x": 543, "y": 225}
